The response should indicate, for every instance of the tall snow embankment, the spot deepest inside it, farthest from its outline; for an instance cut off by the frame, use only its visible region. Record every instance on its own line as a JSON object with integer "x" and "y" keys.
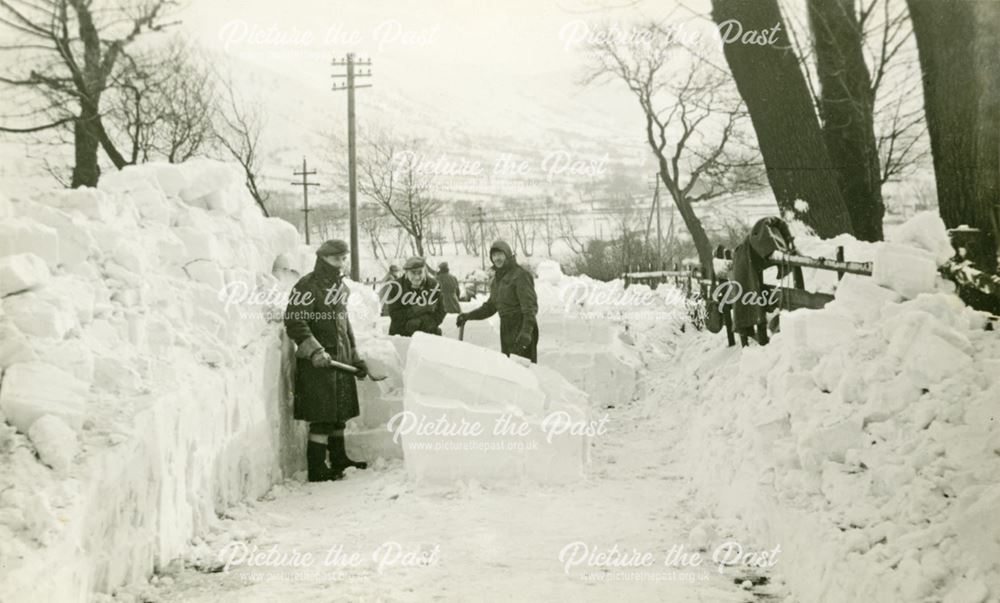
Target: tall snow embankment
{"x": 136, "y": 402}
{"x": 863, "y": 439}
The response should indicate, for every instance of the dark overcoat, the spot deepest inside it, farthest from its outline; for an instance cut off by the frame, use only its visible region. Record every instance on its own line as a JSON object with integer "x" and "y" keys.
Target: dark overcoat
{"x": 316, "y": 317}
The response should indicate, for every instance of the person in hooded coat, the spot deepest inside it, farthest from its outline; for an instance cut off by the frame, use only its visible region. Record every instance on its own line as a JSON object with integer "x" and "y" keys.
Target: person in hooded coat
{"x": 316, "y": 320}
{"x": 449, "y": 289}
{"x": 512, "y": 295}
{"x": 415, "y": 303}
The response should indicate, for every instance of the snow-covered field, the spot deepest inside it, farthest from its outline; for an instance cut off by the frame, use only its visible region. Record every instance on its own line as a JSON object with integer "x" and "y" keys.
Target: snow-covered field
{"x": 148, "y": 450}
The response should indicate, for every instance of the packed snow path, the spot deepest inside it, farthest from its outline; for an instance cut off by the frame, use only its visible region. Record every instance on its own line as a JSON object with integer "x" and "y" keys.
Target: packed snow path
{"x": 500, "y": 544}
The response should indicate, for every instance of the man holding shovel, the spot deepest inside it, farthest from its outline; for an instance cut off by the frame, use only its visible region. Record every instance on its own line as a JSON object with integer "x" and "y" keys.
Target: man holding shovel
{"x": 327, "y": 361}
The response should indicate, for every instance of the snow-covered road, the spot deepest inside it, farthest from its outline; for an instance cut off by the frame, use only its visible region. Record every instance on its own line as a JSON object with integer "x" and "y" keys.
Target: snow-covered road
{"x": 497, "y": 544}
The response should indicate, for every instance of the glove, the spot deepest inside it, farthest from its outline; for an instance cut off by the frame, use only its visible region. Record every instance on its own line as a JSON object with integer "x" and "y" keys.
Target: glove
{"x": 320, "y": 359}
{"x": 523, "y": 339}
{"x": 461, "y": 320}
{"x": 362, "y": 369}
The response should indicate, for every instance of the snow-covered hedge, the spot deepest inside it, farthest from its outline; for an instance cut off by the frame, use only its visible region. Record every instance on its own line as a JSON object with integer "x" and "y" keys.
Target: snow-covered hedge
{"x": 135, "y": 402}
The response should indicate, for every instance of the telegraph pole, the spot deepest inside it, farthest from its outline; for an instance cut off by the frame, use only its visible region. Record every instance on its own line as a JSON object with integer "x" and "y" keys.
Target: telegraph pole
{"x": 351, "y": 66}
{"x": 305, "y": 184}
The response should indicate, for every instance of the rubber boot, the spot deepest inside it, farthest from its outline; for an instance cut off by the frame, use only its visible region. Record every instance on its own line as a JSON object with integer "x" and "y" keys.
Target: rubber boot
{"x": 316, "y": 462}
{"x": 338, "y": 456}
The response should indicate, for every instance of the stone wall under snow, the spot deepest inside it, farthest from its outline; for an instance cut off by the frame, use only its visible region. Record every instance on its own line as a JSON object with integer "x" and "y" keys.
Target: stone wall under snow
{"x": 136, "y": 402}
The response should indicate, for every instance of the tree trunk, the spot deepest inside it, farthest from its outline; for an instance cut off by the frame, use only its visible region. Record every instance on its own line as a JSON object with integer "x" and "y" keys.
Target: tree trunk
{"x": 956, "y": 42}
{"x": 702, "y": 244}
{"x": 846, "y": 105}
{"x": 86, "y": 172}
{"x": 781, "y": 109}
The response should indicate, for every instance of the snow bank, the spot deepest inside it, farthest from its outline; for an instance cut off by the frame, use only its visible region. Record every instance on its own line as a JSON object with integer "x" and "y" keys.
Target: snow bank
{"x": 868, "y": 426}
{"x": 474, "y": 414}
{"x": 139, "y": 398}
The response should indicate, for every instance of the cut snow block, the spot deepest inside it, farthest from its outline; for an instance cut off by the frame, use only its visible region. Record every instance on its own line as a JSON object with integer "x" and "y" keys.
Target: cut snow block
{"x": 907, "y": 270}
{"x": 14, "y": 346}
{"x": 22, "y": 272}
{"x": 55, "y": 442}
{"x": 454, "y": 428}
{"x": 27, "y": 236}
{"x": 930, "y": 351}
{"x": 170, "y": 176}
{"x": 828, "y": 443}
{"x": 206, "y": 272}
{"x": 926, "y": 231}
{"x": 76, "y": 240}
{"x": 92, "y": 203}
{"x": 31, "y": 390}
{"x": 861, "y": 297}
{"x": 153, "y": 206}
{"x": 40, "y": 316}
{"x": 606, "y": 377}
{"x": 817, "y": 330}
{"x": 441, "y": 367}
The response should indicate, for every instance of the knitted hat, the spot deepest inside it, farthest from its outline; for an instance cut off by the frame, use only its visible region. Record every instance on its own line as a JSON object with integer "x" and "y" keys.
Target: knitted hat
{"x": 443, "y": 266}
{"x": 333, "y": 247}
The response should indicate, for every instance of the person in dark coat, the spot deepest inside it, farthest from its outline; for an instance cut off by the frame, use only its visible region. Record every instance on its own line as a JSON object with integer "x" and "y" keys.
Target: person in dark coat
{"x": 416, "y": 302}
{"x": 387, "y": 287}
{"x": 449, "y": 289}
{"x": 316, "y": 320}
{"x": 512, "y": 295}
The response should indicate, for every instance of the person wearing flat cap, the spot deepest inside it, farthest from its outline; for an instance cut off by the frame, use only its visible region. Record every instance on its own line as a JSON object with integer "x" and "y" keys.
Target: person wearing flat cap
{"x": 325, "y": 396}
{"x": 415, "y": 301}
{"x": 512, "y": 295}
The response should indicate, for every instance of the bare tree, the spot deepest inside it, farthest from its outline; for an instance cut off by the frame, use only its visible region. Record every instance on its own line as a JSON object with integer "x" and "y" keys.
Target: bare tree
{"x": 466, "y": 222}
{"x": 523, "y": 225}
{"x": 67, "y": 55}
{"x": 237, "y": 131}
{"x": 163, "y": 104}
{"x": 372, "y": 222}
{"x": 389, "y": 174}
{"x": 693, "y": 123}
{"x": 548, "y": 229}
{"x": 900, "y": 127}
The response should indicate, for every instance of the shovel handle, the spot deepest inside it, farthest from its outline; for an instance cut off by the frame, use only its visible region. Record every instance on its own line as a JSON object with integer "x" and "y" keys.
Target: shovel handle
{"x": 354, "y": 370}
{"x": 461, "y": 332}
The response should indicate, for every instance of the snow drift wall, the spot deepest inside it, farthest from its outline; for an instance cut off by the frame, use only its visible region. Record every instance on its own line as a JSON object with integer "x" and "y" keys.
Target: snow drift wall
{"x": 137, "y": 402}
{"x": 868, "y": 426}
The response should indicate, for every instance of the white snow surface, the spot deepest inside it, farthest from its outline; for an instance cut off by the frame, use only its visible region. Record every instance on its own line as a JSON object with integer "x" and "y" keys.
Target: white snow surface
{"x": 151, "y": 404}
{"x": 863, "y": 438}
{"x": 862, "y": 442}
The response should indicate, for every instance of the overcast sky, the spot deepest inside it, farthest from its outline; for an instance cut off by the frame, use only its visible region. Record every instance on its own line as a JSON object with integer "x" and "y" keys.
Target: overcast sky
{"x": 508, "y": 38}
